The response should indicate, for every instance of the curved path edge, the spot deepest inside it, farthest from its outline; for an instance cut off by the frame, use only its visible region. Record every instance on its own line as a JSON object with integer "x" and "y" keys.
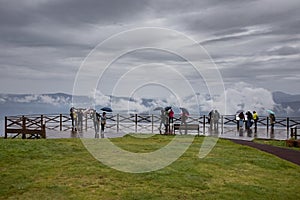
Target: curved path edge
{"x": 284, "y": 153}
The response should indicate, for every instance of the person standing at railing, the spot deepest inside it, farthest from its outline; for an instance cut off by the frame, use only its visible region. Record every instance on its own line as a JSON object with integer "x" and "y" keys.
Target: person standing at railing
{"x": 103, "y": 123}
{"x": 96, "y": 120}
{"x": 216, "y": 118}
{"x": 167, "y": 125}
{"x": 171, "y": 120}
{"x": 184, "y": 117}
{"x": 272, "y": 121}
{"x": 241, "y": 120}
{"x": 249, "y": 120}
{"x": 162, "y": 120}
{"x": 210, "y": 117}
{"x": 255, "y": 119}
{"x": 80, "y": 119}
{"x": 73, "y": 116}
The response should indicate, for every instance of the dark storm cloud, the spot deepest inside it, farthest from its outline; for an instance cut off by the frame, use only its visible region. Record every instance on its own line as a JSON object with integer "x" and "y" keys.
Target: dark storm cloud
{"x": 233, "y": 16}
{"x": 32, "y": 23}
{"x": 93, "y": 11}
{"x": 245, "y": 38}
{"x": 22, "y": 13}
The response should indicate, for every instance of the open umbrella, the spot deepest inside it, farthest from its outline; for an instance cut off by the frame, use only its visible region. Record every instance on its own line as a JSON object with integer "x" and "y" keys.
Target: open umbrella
{"x": 158, "y": 108}
{"x": 106, "y": 109}
{"x": 271, "y": 112}
{"x": 239, "y": 111}
{"x": 168, "y": 108}
{"x": 184, "y": 111}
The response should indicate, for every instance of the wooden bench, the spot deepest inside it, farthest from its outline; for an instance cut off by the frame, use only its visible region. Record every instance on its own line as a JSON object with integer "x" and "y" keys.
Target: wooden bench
{"x": 186, "y": 127}
{"x": 18, "y": 126}
{"x": 34, "y": 133}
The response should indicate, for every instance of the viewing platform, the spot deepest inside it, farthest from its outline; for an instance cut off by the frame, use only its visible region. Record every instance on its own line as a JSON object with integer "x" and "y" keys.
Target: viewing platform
{"x": 60, "y": 126}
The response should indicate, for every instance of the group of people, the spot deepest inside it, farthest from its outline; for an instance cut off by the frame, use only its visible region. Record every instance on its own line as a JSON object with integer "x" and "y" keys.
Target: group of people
{"x": 166, "y": 119}
{"x": 98, "y": 119}
{"x": 250, "y": 118}
{"x": 77, "y": 120}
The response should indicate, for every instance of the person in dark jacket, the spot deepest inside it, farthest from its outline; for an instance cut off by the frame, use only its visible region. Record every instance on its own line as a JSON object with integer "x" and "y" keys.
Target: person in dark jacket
{"x": 249, "y": 120}
{"x": 103, "y": 123}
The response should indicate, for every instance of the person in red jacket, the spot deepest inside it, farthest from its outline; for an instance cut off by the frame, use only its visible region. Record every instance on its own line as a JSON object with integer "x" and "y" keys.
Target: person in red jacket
{"x": 171, "y": 120}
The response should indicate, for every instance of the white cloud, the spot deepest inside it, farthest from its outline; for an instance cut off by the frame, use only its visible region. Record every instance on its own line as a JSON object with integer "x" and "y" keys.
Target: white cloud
{"x": 242, "y": 96}
{"x": 27, "y": 99}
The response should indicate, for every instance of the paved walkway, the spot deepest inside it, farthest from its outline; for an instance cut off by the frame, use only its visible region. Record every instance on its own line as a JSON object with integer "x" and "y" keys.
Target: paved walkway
{"x": 284, "y": 153}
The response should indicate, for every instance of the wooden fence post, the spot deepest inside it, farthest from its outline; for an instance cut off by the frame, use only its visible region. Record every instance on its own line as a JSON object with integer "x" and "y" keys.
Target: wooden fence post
{"x": 152, "y": 120}
{"x": 86, "y": 122}
{"x": 5, "y": 136}
{"x": 60, "y": 122}
{"x": 136, "y": 122}
{"x": 287, "y": 127}
{"x": 222, "y": 127}
{"x": 118, "y": 122}
{"x": 23, "y": 127}
{"x": 267, "y": 126}
{"x": 43, "y": 128}
{"x": 203, "y": 124}
{"x": 42, "y": 120}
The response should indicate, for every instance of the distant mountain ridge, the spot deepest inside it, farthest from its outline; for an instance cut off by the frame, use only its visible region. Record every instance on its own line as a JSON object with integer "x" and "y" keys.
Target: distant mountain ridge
{"x": 281, "y": 97}
{"x": 287, "y": 104}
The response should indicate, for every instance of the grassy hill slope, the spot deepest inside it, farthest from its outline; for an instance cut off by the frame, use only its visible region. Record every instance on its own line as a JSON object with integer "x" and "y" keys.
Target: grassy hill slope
{"x": 64, "y": 169}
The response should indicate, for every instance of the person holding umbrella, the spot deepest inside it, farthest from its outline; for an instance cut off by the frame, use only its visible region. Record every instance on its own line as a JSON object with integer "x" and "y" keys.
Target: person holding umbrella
{"x": 272, "y": 119}
{"x": 103, "y": 123}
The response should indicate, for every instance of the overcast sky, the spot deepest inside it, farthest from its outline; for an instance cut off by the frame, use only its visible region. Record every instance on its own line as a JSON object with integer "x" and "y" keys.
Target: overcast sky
{"x": 43, "y": 43}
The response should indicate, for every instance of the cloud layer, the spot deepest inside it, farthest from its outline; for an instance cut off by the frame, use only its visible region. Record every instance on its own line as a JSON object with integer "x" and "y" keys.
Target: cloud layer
{"x": 43, "y": 43}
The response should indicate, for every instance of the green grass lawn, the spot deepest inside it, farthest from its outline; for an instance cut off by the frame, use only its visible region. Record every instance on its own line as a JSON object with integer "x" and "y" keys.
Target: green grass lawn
{"x": 64, "y": 169}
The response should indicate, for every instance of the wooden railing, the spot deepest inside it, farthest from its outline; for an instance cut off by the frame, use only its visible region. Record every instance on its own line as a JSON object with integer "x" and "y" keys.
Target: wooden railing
{"x": 38, "y": 124}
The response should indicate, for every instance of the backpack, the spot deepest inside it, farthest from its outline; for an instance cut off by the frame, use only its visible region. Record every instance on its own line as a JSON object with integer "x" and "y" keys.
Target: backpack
{"x": 98, "y": 116}
{"x": 273, "y": 117}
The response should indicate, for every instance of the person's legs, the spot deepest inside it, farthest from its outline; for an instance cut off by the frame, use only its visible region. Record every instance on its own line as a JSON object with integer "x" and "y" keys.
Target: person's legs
{"x": 102, "y": 130}
{"x": 160, "y": 125}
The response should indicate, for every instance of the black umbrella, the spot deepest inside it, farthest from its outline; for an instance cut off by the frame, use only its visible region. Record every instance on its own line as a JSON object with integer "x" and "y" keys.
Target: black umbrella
{"x": 239, "y": 111}
{"x": 185, "y": 111}
{"x": 106, "y": 109}
{"x": 168, "y": 108}
{"x": 158, "y": 108}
